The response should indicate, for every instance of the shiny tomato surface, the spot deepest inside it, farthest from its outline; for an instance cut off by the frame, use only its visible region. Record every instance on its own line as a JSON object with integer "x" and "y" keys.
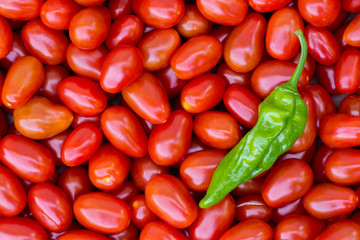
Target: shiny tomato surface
{"x": 21, "y": 228}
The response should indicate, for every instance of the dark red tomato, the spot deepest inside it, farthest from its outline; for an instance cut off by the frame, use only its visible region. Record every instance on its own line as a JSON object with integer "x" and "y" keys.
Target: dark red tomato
{"x": 202, "y": 93}
{"x": 351, "y": 34}
{"x": 343, "y": 229}
{"x": 54, "y": 145}
{"x": 169, "y": 142}
{"x": 286, "y": 182}
{"x": 213, "y": 221}
{"x": 221, "y": 32}
{"x": 50, "y": 207}
{"x": 308, "y": 137}
{"x": 147, "y": 98}
{"x": 23, "y": 79}
{"x": 122, "y": 66}
{"x": 233, "y": 78}
{"x": 252, "y": 207}
{"x": 47, "y": 44}
{"x": 168, "y": 198}
{"x": 17, "y": 51}
{"x": 350, "y": 105}
{"x": 82, "y": 96}
{"x": 251, "y": 187}
{"x": 79, "y": 119}
{"x": 342, "y": 166}
{"x": 7, "y": 37}
{"x": 310, "y": 63}
{"x": 196, "y": 56}
{"x": 82, "y": 235}
{"x": 143, "y": 169}
{"x": 320, "y": 13}
{"x": 89, "y": 3}
{"x": 108, "y": 168}
{"x": 280, "y": 41}
{"x": 306, "y": 155}
{"x": 24, "y": 10}
{"x": 244, "y": 46}
{"x": 140, "y": 212}
{"x": 268, "y": 6}
{"x": 89, "y": 27}
{"x": 157, "y": 48}
{"x": 159, "y": 13}
{"x": 323, "y": 46}
{"x": 126, "y": 29}
{"x": 109, "y": 214}
{"x": 351, "y": 5}
{"x": 300, "y": 227}
{"x": 197, "y": 168}
{"x": 271, "y": 73}
{"x": 251, "y": 229}
{"x": 12, "y": 194}
{"x": 122, "y": 128}
{"x": 119, "y": 7}
{"x": 318, "y": 163}
{"x": 327, "y": 200}
{"x": 242, "y": 104}
{"x": 57, "y": 14}
{"x": 230, "y": 12}
{"x": 340, "y": 130}
{"x": 86, "y": 62}
{"x": 53, "y": 76}
{"x": 172, "y": 84}
{"x": 130, "y": 233}
{"x": 21, "y": 228}
{"x": 295, "y": 207}
{"x": 339, "y": 35}
{"x": 347, "y": 76}
{"x": 325, "y": 75}
{"x": 161, "y": 231}
{"x": 4, "y": 124}
{"x": 217, "y": 129}
{"x": 28, "y": 159}
{"x": 127, "y": 191}
{"x": 339, "y": 20}
{"x": 75, "y": 182}
{"x": 193, "y": 23}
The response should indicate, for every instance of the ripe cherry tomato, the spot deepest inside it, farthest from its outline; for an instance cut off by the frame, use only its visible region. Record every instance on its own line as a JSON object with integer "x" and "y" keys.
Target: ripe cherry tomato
{"x": 89, "y": 3}
{"x": 23, "y": 79}
{"x": 130, "y": 233}
{"x": 79, "y": 119}
{"x": 7, "y": 39}
{"x": 351, "y": 36}
{"x": 172, "y": 84}
{"x": 126, "y": 192}
{"x": 318, "y": 163}
{"x": 161, "y": 231}
{"x": 310, "y": 63}
{"x": 295, "y": 207}
{"x": 24, "y": 10}
{"x": 343, "y": 229}
{"x": 108, "y": 168}
{"x": 252, "y": 207}
{"x": 350, "y": 105}
{"x": 347, "y": 76}
{"x": 21, "y": 228}
{"x": 350, "y": 5}
{"x": 169, "y": 199}
{"x": 119, "y": 7}
{"x": 320, "y": 13}
{"x": 233, "y": 78}
{"x": 221, "y": 32}
{"x": 306, "y": 155}
{"x": 251, "y": 187}
{"x": 253, "y": 229}
{"x": 17, "y": 50}
{"x": 140, "y": 212}
{"x": 325, "y": 74}
{"x": 54, "y": 145}
{"x": 268, "y": 6}
{"x": 82, "y": 235}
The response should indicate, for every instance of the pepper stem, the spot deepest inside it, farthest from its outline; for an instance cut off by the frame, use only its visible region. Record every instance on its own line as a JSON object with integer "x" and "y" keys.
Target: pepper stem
{"x": 292, "y": 83}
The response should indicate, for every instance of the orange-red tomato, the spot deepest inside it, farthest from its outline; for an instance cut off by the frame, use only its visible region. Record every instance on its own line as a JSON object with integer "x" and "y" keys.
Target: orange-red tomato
{"x": 342, "y": 229}
{"x": 253, "y": 229}
{"x": 24, "y": 10}
{"x": 17, "y": 50}
{"x": 233, "y": 78}
{"x": 140, "y": 212}
{"x": 89, "y": 3}
{"x": 21, "y": 228}
{"x": 320, "y": 13}
{"x": 7, "y": 37}
{"x": 268, "y": 6}
{"x": 347, "y": 76}
{"x": 126, "y": 192}
{"x": 82, "y": 235}
{"x": 351, "y": 32}
{"x": 109, "y": 214}
{"x": 252, "y": 207}
{"x": 161, "y": 231}
{"x": 310, "y": 63}
{"x": 350, "y": 105}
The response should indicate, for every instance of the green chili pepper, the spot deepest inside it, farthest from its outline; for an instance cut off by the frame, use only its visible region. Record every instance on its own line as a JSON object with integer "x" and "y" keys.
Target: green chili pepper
{"x": 282, "y": 120}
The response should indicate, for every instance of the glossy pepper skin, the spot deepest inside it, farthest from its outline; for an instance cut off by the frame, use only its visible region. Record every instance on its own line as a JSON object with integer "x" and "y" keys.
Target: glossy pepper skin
{"x": 282, "y": 120}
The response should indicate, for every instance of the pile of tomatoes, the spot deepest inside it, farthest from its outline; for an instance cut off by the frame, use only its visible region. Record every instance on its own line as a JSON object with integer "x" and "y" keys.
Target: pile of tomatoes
{"x": 115, "y": 113}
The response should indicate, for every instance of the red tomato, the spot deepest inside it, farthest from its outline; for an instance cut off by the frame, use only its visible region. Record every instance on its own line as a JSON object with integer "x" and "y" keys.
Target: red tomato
{"x": 268, "y": 6}
{"x": 169, "y": 142}
{"x": 244, "y": 46}
{"x": 230, "y": 12}
{"x": 21, "y": 228}
{"x": 310, "y": 63}
{"x": 233, "y": 78}
{"x": 57, "y": 14}
{"x": 202, "y": 93}
{"x": 147, "y": 98}
{"x": 122, "y": 66}
{"x": 320, "y": 13}
{"x": 350, "y": 105}
{"x": 4, "y": 124}
{"x": 269, "y": 74}
{"x": 157, "y": 48}
{"x": 298, "y": 227}
{"x": 140, "y": 212}
{"x": 86, "y": 62}
{"x": 82, "y": 235}
{"x": 28, "y": 159}
{"x": 108, "y": 168}
{"x": 47, "y": 44}
{"x": 339, "y": 20}
{"x": 23, "y": 79}
{"x": 161, "y": 231}
{"x": 351, "y": 5}
{"x": 339, "y": 35}
{"x": 172, "y": 84}
{"x": 251, "y": 187}
{"x": 340, "y": 130}
{"x": 318, "y": 163}
{"x": 295, "y": 207}
{"x": 7, "y": 37}
{"x": 251, "y": 229}
{"x": 252, "y": 207}
{"x": 306, "y": 155}
{"x": 54, "y": 145}
{"x": 126, "y": 192}
{"x": 122, "y": 128}
{"x": 168, "y": 198}
{"x": 196, "y": 56}
{"x": 29, "y": 119}
{"x": 17, "y": 51}
{"x": 280, "y": 41}
{"x": 351, "y": 34}
{"x": 24, "y": 10}
{"x": 325, "y": 75}
{"x": 197, "y": 168}
{"x": 343, "y": 229}
{"x": 327, "y": 200}
{"x": 109, "y": 214}
{"x": 130, "y": 233}
{"x": 79, "y": 119}
{"x": 119, "y": 7}
{"x": 347, "y": 76}
{"x": 221, "y": 32}
{"x": 217, "y": 129}
{"x": 89, "y": 27}
{"x": 159, "y": 13}
{"x": 89, "y": 3}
